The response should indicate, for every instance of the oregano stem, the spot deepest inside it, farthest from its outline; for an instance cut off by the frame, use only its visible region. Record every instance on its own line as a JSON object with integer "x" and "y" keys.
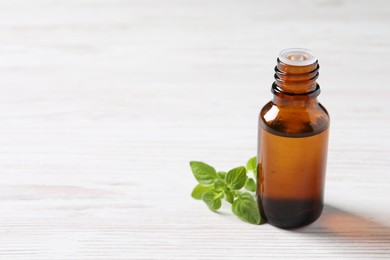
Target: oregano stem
{"x": 213, "y": 186}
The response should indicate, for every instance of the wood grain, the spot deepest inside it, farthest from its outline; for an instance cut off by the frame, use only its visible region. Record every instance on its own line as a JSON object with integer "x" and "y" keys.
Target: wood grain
{"x": 104, "y": 103}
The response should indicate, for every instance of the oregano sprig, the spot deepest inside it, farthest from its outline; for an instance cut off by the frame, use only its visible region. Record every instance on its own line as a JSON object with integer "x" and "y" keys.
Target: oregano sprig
{"x": 214, "y": 186}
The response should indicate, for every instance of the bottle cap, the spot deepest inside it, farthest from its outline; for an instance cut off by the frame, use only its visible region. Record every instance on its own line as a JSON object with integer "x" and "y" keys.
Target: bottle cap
{"x": 297, "y": 57}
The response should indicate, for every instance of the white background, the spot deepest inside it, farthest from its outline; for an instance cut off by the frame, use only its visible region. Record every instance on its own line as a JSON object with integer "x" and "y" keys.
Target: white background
{"x": 104, "y": 103}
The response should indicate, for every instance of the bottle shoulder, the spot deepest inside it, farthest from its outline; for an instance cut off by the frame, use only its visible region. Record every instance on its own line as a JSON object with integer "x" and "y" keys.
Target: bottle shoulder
{"x": 294, "y": 120}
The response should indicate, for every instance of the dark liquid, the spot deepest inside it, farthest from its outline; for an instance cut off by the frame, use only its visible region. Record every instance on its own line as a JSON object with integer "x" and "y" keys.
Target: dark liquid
{"x": 286, "y": 213}
{"x": 291, "y": 178}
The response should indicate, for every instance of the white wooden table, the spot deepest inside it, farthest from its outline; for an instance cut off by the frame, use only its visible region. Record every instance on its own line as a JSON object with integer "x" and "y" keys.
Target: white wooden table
{"x": 104, "y": 103}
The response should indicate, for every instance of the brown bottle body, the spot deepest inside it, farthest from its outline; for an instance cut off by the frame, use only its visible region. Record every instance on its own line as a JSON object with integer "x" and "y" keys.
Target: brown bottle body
{"x": 292, "y": 149}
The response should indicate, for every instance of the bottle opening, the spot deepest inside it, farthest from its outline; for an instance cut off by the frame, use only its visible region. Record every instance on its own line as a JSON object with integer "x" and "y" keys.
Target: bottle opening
{"x": 297, "y": 57}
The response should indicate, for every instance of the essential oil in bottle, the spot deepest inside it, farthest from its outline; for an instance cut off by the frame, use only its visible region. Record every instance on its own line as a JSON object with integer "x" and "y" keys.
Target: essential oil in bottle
{"x": 292, "y": 144}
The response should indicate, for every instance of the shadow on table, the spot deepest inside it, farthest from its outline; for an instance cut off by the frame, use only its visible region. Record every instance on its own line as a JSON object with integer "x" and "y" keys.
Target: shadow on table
{"x": 339, "y": 223}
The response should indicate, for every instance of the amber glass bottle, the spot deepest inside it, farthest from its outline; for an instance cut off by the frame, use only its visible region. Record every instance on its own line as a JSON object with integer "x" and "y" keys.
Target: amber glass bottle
{"x": 292, "y": 144}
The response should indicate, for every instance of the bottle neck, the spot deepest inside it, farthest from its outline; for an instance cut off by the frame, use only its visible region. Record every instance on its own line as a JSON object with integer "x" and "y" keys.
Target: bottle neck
{"x": 296, "y": 102}
{"x": 296, "y": 83}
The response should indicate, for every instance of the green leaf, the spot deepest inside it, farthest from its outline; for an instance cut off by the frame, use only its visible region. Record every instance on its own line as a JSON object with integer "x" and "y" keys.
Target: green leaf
{"x": 214, "y": 186}
{"x": 229, "y": 196}
{"x": 245, "y": 207}
{"x": 204, "y": 173}
{"x": 251, "y": 164}
{"x": 235, "y": 178}
{"x": 198, "y": 191}
{"x": 219, "y": 185}
{"x": 250, "y": 184}
{"x": 212, "y": 199}
{"x": 221, "y": 175}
